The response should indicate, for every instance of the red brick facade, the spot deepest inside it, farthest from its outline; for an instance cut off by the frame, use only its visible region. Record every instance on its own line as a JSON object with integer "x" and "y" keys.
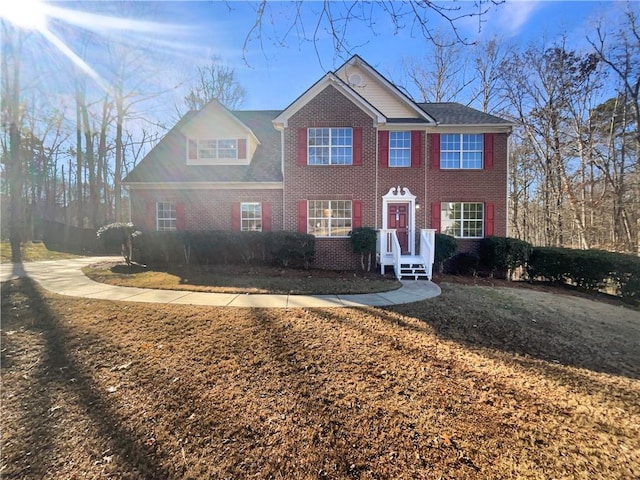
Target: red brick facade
{"x": 364, "y": 183}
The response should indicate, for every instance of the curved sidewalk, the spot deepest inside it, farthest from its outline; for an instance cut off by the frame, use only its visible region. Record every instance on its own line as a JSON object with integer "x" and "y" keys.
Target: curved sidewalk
{"x": 65, "y": 277}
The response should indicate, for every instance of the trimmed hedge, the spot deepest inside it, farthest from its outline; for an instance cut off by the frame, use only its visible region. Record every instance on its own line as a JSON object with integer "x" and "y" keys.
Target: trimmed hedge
{"x": 446, "y": 247}
{"x": 465, "y": 263}
{"x": 595, "y": 270}
{"x": 288, "y": 249}
{"x": 502, "y": 255}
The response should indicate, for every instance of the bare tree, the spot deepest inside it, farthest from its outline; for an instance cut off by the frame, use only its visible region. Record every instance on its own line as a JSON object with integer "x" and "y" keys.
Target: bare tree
{"x": 441, "y": 75}
{"x": 12, "y": 41}
{"x": 218, "y": 81}
{"x": 278, "y": 23}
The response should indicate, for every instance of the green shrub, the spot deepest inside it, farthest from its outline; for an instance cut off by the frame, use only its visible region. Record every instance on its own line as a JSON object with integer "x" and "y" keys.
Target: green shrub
{"x": 292, "y": 249}
{"x": 594, "y": 270}
{"x": 502, "y": 255}
{"x": 446, "y": 247}
{"x": 159, "y": 248}
{"x": 363, "y": 241}
{"x": 118, "y": 238}
{"x": 465, "y": 263}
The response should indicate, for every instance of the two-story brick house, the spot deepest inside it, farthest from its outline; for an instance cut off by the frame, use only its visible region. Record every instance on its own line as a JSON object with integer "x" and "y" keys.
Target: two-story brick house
{"x": 351, "y": 151}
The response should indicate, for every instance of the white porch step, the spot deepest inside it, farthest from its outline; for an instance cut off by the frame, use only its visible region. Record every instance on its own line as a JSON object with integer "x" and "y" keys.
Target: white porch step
{"x": 412, "y": 266}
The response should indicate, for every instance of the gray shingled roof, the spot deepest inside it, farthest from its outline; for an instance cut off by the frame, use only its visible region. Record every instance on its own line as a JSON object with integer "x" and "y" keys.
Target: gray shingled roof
{"x": 451, "y": 113}
{"x": 166, "y": 162}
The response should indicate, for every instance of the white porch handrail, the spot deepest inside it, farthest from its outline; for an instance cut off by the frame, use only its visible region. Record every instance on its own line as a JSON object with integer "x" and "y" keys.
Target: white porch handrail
{"x": 395, "y": 250}
{"x": 428, "y": 249}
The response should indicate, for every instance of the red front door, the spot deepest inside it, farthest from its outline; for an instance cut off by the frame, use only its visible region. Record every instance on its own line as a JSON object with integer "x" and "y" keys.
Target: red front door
{"x": 398, "y": 218}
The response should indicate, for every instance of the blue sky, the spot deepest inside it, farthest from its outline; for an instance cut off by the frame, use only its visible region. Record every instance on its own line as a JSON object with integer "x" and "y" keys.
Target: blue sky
{"x": 185, "y": 35}
{"x": 278, "y": 74}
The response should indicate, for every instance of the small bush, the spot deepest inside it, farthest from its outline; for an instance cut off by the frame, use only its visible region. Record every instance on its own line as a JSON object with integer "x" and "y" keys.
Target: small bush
{"x": 446, "y": 247}
{"x": 465, "y": 263}
{"x": 363, "y": 241}
{"x": 117, "y": 238}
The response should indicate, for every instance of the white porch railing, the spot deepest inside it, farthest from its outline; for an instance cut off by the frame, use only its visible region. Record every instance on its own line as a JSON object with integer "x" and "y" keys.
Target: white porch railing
{"x": 428, "y": 249}
{"x": 384, "y": 248}
{"x": 389, "y": 254}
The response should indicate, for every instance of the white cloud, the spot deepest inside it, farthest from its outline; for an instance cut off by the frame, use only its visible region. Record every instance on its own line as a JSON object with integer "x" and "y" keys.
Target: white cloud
{"x": 512, "y": 16}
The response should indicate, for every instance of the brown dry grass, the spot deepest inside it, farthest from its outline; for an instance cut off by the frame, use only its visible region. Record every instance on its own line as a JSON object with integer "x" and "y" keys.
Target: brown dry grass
{"x": 241, "y": 279}
{"x": 32, "y": 252}
{"x": 479, "y": 383}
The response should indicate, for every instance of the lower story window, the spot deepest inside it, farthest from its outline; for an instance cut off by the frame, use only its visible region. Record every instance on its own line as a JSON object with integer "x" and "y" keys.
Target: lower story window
{"x": 462, "y": 220}
{"x": 329, "y": 218}
{"x": 251, "y": 217}
{"x": 166, "y": 215}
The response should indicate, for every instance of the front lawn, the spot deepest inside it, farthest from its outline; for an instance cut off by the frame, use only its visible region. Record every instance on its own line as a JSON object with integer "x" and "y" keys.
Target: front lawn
{"x": 32, "y": 252}
{"x": 479, "y": 383}
{"x": 242, "y": 279}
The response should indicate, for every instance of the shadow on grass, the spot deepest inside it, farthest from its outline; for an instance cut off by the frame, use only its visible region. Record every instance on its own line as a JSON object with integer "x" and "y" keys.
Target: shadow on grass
{"x": 58, "y": 370}
{"x": 508, "y": 325}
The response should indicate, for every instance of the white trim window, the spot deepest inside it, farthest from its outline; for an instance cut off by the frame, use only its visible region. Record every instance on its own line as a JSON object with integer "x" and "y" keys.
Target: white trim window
{"x": 221, "y": 149}
{"x": 329, "y": 218}
{"x": 165, "y": 216}
{"x": 251, "y": 217}
{"x": 330, "y": 146}
{"x": 399, "y": 149}
{"x": 461, "y": 151}
{"x": 462, "y": 219}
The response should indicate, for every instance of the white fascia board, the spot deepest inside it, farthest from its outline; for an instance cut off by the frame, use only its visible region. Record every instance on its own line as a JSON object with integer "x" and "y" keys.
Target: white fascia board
{"x": 205, "y": 185}
{"x": 281, "y": 121}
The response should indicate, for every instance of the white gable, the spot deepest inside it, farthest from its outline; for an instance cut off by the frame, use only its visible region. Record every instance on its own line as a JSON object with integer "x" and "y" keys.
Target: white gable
{"x": 379, "y": 92}
{"x": 215, "y": 122}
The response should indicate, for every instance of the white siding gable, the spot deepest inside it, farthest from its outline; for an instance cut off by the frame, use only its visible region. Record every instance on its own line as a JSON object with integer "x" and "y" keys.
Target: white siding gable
{"x": 214, "y": 122}
{"x": 375, "y": 92}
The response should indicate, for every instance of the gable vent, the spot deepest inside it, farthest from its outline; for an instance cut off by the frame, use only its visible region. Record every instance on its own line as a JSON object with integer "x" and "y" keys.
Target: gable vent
{"x": 355, "y": 80}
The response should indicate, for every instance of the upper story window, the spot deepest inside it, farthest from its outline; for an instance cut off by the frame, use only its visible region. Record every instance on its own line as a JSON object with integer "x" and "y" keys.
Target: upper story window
{"x": 165, "y": 216}
{"x": 216, "y": 149}
{"x": 461, "y": 150}
{"x": 329, "y": 218}
{"x": 330, "y": 146}
{"x": 251, "y": 217}
{"x": 399, "y": 149}
{"x": 462, "y": 220}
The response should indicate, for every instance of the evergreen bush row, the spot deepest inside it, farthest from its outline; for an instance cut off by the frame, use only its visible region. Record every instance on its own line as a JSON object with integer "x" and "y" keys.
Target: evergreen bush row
{"x": 502, "y": 255}
{"x": 287, "y": 249}
{"x": 595, "y": 270}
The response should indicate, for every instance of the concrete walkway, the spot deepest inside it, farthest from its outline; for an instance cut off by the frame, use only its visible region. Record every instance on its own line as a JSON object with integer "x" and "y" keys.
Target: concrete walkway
{"x": 65, "y": 277}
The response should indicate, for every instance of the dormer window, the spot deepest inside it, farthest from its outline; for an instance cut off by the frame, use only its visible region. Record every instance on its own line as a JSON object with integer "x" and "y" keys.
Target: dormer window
{"x": 221, "y": 151}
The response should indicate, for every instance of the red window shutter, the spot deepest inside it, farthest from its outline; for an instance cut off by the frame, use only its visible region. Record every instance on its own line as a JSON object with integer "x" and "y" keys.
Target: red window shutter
{"x": 242, "y": 149}
{"x": 151, "y": 216}
{"x": 302, "y": 146}
{"x": 435, "y": 151}
{"x": 235, "y": 216}
{"x": 416, "y": 148}
{"x": 193, "y": 150}
{"x": 180, "y": 216}
{"x": 488, "y": 219}
{"x": 302, "y": 216}
{"x": 357, "y": 146}
{"x": 488, "y": 150}
{"x": 383, "y": 149}
{"x": 435, "y": 216}
{"x": 266, "y": 217}
{"x": 357, "y": 214}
